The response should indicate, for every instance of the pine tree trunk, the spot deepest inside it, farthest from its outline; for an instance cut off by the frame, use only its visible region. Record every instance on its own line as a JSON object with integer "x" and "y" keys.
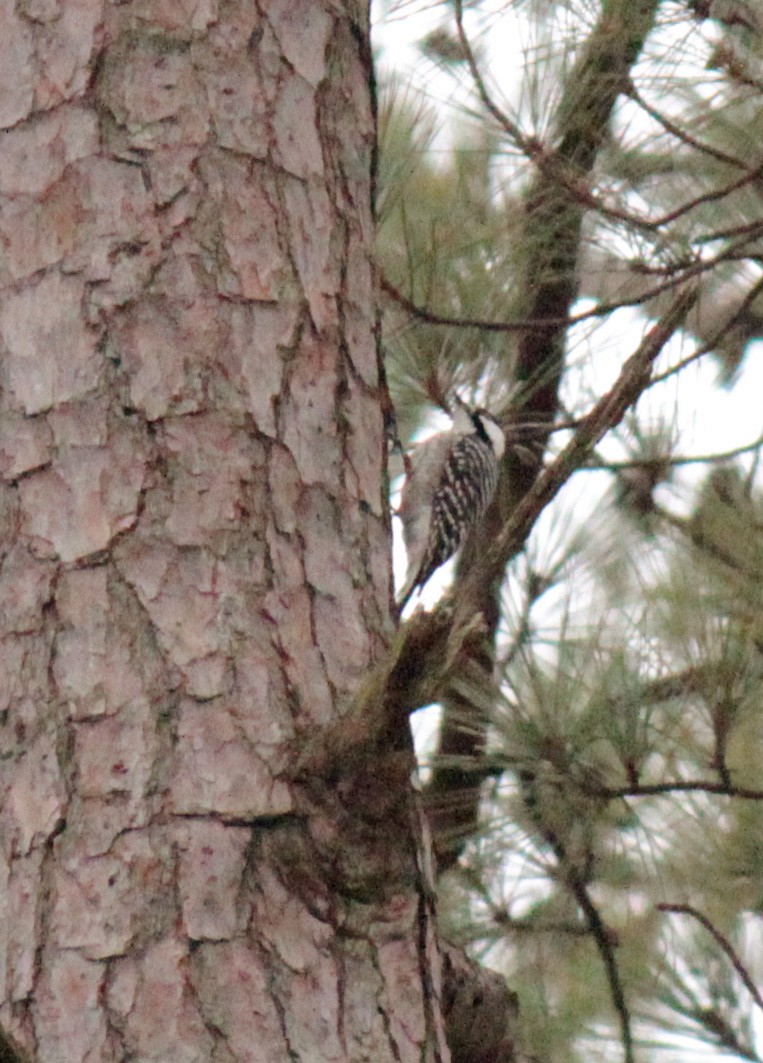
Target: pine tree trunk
{"x": 195, "y": 544}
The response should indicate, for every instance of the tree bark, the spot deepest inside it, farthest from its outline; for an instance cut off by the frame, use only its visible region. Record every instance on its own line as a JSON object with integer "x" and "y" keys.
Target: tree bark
{"x": 195, "y": 545}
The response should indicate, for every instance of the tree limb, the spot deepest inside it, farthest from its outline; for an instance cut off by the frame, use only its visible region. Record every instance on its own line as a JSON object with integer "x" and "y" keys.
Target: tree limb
{"x": 552, "y": 240}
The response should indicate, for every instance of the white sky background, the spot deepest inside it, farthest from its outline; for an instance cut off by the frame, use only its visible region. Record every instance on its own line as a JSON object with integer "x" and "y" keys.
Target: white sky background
{"x": 706, "y": 418}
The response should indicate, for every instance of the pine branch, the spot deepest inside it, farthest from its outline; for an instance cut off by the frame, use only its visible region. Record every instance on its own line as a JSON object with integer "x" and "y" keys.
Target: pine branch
{"x": 576, "y": 882}
{"x": 675, "y": 786}
{"x": 634, "y": 378}
{"x": 553, "y": 233}
{"x": 723, "y": 942}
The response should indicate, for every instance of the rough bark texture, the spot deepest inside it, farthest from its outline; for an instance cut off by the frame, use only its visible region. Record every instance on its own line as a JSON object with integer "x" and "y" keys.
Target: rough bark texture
{"x": 194, "y": 544}
{"x": 480, "y": 1012}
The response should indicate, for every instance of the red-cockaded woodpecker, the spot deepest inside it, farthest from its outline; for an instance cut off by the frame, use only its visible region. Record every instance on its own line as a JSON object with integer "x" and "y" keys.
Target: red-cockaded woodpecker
{"x": 451, "y": 483}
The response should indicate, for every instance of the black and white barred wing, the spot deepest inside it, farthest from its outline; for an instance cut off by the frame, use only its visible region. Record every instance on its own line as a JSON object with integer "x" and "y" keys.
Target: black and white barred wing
{"x": 466, "y": 487}
{"x": 427, "y": 463}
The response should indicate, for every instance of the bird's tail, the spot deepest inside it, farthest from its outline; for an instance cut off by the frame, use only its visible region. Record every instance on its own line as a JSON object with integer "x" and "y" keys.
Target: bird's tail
{"x": 406, "y": 591}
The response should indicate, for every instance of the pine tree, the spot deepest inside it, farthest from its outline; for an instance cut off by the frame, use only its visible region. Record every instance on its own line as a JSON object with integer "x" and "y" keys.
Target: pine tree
{"x": 594, "y": 787}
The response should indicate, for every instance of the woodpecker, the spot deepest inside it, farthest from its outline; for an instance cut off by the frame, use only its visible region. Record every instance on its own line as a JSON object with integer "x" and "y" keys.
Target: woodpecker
{"x": 452, "y": 480}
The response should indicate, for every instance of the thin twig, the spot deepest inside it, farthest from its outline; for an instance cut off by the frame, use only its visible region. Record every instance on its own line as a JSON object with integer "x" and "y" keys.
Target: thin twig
{"x": 716, "y": 338}
{"x": 603, "y": 937}
{"x": 684, "y": 272}
{"x": 528, "y": 145}
{"x": 697, "y": 459}
{"x": 749, "y": 228}
{"x": 430, "y": 317}
{"x": 608, "y": 412}
{"x": 604, "y": 943}
{"x": 677, "y": 786}
{"x": 707, "y": 197}
{"x": 722, "y": 941}
{"x": 675, "y": 130}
